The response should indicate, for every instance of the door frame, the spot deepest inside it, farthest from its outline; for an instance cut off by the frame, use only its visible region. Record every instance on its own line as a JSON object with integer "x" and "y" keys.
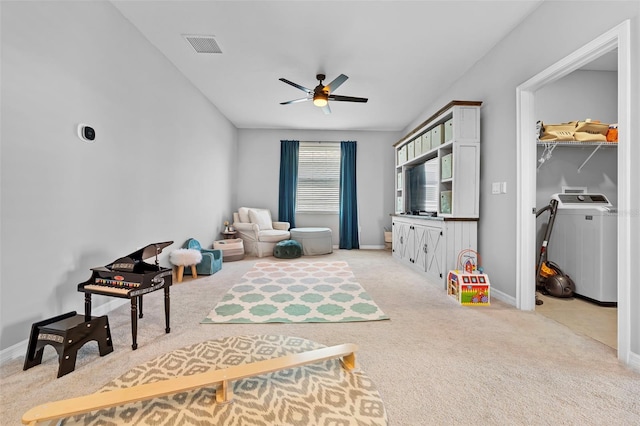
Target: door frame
{"x": 618, "y": 37}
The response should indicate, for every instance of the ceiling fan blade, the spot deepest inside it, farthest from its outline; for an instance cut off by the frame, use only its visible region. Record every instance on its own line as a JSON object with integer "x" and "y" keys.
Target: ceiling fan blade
{"x": 347, "y": 98}
{"x": 337, "y": 82}
{"x": 304, "y": 89}
{"x": 326, "y": 109}
{"x": 295, "y": 101}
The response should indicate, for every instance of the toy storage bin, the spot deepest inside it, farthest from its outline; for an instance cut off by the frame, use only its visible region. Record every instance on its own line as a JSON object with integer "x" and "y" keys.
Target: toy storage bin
{"x": 232, "y": 249}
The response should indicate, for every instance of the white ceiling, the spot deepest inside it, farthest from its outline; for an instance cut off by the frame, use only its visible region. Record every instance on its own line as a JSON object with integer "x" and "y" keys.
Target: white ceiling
{"x": 399, "y": 54}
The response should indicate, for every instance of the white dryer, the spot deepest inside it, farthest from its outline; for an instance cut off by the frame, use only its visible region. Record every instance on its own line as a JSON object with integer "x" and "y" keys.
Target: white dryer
{"x": 584, "y": 245}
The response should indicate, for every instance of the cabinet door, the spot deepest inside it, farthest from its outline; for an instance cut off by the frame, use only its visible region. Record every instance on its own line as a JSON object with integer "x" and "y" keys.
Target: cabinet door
{"x": 411, "y": 244}
{"x": 429, "y": 244}
{"x": 402, "y": 234}
{"x": 419, "y": 252}
{"x": 435, "y": 249}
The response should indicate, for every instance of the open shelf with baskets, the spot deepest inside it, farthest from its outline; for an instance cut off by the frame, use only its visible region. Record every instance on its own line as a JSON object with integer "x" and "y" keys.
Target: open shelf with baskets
{"x": 447, "y": 146}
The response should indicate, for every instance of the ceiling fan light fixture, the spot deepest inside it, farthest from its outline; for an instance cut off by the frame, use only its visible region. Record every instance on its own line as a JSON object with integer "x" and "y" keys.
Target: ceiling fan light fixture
{"x": 320, "y": 94}
{"x": 320, "y": 100}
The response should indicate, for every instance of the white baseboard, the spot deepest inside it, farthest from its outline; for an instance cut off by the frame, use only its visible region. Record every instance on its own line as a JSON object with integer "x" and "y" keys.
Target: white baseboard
{"x": 503, "y": 297}
{"x": 366, "y": 247}
{"x": 13, "y": 352}
{"x": 19, "y": 350}
{"x": 634, "y": 361}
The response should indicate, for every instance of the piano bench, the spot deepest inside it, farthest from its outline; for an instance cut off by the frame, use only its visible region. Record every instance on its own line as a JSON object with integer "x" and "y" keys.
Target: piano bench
{"x": 67, "y": 333}
{"x": 185, "y": 257}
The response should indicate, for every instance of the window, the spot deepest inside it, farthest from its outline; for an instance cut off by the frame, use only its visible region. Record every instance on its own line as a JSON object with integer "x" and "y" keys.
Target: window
{"x": 318, "y": 177}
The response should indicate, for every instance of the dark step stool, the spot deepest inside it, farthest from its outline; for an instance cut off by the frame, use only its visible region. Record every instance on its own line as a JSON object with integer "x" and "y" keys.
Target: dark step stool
{"x": 67, "y": 333}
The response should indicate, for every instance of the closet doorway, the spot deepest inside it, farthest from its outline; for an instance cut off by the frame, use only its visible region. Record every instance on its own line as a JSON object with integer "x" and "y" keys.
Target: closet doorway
{"x": 616, "y": 39}
{"x": 586, "y": 250}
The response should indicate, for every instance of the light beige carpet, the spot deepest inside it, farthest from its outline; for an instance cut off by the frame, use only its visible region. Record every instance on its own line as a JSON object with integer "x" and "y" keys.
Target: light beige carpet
{"x": 434, "y": 363}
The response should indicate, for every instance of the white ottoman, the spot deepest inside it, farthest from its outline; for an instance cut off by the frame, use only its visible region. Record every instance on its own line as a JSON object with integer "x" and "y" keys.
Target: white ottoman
{"x": 313, "y": 240}
{"x": 185, "y": 257}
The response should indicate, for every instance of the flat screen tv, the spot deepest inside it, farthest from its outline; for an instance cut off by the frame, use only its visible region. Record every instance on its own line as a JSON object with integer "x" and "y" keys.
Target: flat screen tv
{"x": 422, "y": 188}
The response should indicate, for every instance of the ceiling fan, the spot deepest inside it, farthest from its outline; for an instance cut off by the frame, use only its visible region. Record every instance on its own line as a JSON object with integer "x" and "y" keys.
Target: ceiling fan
{"x": 322, "y": 94}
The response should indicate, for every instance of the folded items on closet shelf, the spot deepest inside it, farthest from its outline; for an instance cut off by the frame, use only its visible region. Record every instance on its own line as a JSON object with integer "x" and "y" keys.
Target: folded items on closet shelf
{"x": 582, "y": 131}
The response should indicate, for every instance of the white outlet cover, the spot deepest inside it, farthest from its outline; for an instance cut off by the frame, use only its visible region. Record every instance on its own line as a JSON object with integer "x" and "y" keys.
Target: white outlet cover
{"x": 495, "y": 188}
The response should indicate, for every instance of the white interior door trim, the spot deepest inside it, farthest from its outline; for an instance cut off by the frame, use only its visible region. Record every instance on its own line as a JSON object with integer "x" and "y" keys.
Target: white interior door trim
{"x": 618, "y": 37}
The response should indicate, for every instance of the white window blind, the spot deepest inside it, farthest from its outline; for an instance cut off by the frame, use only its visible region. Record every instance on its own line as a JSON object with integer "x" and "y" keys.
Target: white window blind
{"x": 318, "y": 177}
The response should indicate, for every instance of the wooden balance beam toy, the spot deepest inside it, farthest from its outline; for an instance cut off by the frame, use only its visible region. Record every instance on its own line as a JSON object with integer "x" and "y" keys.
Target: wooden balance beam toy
{"x": 221, "y": 378}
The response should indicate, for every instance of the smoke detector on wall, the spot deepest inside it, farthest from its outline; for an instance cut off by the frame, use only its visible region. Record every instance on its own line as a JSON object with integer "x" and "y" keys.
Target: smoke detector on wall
{"x": 86, "y": 132}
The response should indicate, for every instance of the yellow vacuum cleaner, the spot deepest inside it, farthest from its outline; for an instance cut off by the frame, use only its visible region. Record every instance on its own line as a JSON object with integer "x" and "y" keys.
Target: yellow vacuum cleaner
{"x": 549, "y": 277}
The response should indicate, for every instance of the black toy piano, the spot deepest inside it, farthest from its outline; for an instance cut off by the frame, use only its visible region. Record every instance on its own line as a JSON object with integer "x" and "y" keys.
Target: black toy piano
{"x": 130, "y": 277}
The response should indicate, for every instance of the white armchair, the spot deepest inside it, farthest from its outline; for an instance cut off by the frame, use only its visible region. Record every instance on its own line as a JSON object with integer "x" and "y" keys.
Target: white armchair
{"x": 258, "y": 231}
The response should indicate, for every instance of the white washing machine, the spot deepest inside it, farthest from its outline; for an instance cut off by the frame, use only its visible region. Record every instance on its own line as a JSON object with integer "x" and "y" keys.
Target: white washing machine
{"x": 583, "y": 244}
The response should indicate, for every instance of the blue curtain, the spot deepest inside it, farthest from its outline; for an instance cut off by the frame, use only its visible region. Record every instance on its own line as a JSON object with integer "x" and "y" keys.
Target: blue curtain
{"x": 348, "y": 197}
{"x": 288, "y": 181}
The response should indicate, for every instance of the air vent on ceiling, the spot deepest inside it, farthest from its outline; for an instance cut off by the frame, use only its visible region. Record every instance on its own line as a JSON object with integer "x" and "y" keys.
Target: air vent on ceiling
{"x": 203, "y": 44}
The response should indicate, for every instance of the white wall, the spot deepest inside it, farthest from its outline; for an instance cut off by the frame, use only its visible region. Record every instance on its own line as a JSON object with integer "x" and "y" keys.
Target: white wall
{"x": 259, "y": 168}
{"x": 550, "y": 33}
{"x": 158, "y": 170}
{"x": 599, "y": 174}
{"x": 580, "y": 95}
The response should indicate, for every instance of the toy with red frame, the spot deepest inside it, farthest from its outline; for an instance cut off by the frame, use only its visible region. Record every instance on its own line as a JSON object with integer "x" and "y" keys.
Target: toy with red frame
{"x": 468, "y": 284}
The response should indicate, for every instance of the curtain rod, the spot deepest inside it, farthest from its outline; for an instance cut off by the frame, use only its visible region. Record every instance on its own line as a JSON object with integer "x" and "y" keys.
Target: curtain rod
{"x": 320, "y": 141}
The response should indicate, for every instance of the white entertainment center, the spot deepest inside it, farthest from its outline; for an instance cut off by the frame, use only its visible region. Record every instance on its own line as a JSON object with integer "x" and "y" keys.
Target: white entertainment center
{"x": 437, "y": 190}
